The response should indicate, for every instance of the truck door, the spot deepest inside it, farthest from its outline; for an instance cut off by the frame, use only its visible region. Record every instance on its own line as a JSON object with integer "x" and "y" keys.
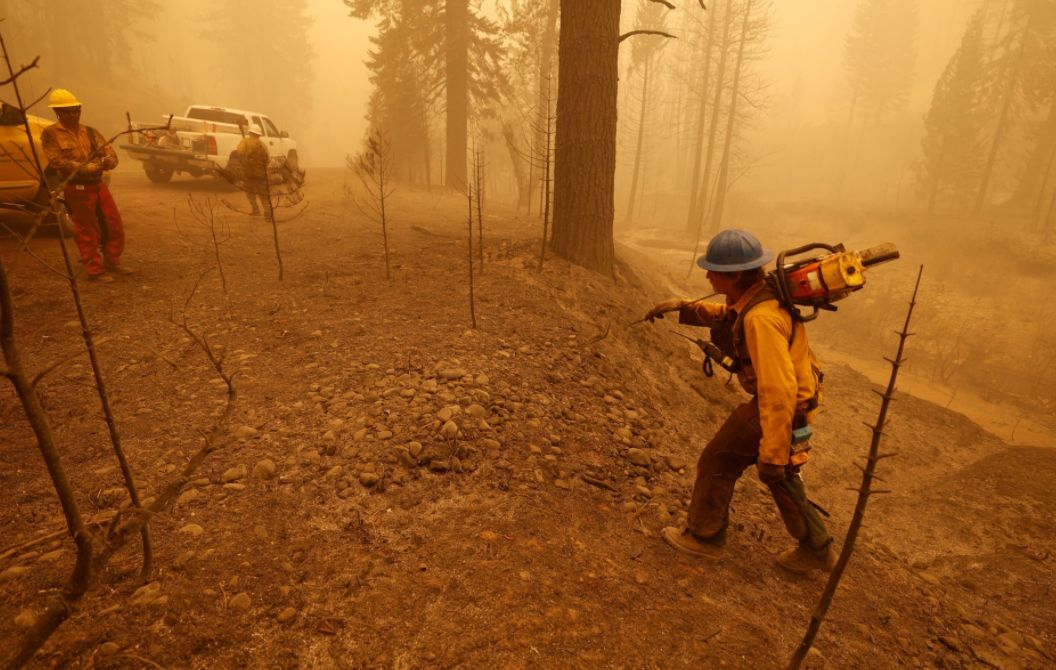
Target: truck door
{"x": 276, "y": 144}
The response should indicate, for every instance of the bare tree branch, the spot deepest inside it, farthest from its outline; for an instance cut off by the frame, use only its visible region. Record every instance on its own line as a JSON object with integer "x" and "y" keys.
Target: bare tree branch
{"x": 20, "y": 72}
{"x": 646, "y": 32}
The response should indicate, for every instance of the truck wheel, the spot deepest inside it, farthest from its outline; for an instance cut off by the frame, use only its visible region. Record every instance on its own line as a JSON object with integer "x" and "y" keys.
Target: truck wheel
{"x": 291, "y": 161}
{"x": 159, "y": 174}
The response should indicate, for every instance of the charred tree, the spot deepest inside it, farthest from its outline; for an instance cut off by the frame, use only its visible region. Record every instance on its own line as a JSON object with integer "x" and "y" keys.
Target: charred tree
{"x": 374, "y": 167}
{"x": 696, "y": 198}
{"x": 952, "y": 125}
{"x": 731, "y": 121}
{"x": 1008, "y": 99}
{"x": 864, "y": 492}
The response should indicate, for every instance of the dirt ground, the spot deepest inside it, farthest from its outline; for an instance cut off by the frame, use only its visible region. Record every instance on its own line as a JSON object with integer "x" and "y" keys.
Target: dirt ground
{"x": 347, "y": 526}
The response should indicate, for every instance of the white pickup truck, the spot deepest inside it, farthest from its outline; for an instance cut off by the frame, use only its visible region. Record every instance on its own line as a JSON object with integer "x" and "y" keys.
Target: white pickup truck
{"x": 201, "y": 141}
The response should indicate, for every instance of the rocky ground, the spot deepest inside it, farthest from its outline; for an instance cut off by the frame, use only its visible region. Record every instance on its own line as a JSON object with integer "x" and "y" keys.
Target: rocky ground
{"x": 404, "y": 490}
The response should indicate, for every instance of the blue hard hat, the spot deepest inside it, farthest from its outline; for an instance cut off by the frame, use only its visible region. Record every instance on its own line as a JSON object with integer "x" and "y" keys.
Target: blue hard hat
{"x": 733, "y": 250}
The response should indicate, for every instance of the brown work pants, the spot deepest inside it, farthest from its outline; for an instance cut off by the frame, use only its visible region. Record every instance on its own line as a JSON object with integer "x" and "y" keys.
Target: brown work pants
{"x": 733, "y": 448}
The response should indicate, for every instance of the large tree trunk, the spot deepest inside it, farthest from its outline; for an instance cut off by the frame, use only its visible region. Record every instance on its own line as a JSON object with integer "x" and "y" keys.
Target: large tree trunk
{"x": 585, "y": 165}
{"x": 457, "y": 76}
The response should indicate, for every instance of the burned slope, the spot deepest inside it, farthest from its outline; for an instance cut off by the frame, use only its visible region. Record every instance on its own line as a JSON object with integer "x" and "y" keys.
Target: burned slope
{"x": 404, "y": 491}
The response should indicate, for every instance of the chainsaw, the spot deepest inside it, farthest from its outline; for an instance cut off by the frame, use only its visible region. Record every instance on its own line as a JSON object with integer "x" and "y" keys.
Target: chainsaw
{"x": 819, "y": 280}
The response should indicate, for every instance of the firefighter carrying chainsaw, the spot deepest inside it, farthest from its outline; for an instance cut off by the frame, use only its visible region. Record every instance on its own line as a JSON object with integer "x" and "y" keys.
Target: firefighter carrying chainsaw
{"x": 759, "y": 335}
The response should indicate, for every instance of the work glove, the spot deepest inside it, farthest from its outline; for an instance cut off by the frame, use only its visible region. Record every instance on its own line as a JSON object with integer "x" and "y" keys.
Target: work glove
{"x": 109, "y": 163}
{"x": 90, "y": 170}
{"x": 769, "y": 473}
{"x": 666, "y": 306}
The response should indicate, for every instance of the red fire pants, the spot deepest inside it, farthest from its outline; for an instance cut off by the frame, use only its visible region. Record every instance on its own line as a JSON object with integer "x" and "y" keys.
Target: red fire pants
{"x": 96, "y": 223}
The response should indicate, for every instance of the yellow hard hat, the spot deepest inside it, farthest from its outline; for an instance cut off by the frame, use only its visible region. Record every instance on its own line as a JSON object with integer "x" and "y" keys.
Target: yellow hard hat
{"x": 60, "y": 97}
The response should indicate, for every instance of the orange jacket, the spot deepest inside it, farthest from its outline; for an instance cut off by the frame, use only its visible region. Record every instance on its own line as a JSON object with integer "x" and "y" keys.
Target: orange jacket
{"x": 777, "y": 367}
{"x": 68, "y": 150}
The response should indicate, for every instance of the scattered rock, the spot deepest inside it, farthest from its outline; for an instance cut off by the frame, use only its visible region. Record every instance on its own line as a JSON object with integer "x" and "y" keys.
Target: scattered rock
{"x": 187, "y": 496}
{"x": 286, "y": 615}
{"x": 368, "y": 479}
{"x": 243, "y": 432}
{"x": 234, "y": 474}
{"x": 449, "y": 429}
{"x": 27, "y": 618}
{"x": 148, "y": 594}
{"x": 235, "y": 487}
{"x": 107, "y": 649}
{"x": 183, "y": 559}
{"x": 192, "y": 529}
{"x": 14, "y": 572}
{"x": 676, "y": 463}
{"x": 439, "y": 465}
{"x": 265, "y": 469}
{"x": 240, "y": 602}
{"x": 446, "y": 413}
{"x": 476, "y": 411}
{"x": 51, "y": 556}
{"x": 638, "y": 457}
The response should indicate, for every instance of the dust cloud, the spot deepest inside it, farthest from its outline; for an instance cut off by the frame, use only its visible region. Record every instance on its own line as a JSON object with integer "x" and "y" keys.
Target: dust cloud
{"x": 859, "y": 122}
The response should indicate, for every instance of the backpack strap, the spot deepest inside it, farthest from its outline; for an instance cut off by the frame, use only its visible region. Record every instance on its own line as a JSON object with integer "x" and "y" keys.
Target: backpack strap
{"x": 91, "y": 140}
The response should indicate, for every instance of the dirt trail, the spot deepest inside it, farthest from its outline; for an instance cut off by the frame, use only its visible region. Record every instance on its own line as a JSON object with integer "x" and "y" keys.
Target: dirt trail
{"x": 407, "y": 492}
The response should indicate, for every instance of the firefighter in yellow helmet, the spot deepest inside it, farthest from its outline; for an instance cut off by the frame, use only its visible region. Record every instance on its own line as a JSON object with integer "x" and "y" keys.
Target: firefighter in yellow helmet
{"x": 78, "y": 155}
{"x": 769, "y": 352}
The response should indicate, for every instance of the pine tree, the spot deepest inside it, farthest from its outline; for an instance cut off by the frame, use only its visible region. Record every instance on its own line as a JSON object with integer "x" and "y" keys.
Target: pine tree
{"x": 82, "y": 45}
{"x": 879, "y": 57}
{"x": 451, "y": 49}
{"x": 952, "y": 144}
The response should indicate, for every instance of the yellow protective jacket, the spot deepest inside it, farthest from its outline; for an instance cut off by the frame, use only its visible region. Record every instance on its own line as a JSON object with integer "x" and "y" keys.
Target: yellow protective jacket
{"x": 68, "y": 149}
{"x": 777, "y": 366}
{"x": 254, "y": 156}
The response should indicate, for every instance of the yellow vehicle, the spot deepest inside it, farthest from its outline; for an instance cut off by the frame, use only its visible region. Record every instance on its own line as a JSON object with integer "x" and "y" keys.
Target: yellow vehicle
{"x": 19, "y": 184}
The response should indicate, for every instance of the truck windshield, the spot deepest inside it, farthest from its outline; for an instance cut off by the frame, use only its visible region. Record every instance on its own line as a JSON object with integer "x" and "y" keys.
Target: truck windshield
{"x": 216, "y": 116}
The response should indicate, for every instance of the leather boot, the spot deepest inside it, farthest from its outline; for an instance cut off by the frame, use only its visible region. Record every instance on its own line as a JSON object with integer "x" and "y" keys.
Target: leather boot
{"x": 803, "y": 559}
{"x": 687, "y": 543}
